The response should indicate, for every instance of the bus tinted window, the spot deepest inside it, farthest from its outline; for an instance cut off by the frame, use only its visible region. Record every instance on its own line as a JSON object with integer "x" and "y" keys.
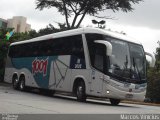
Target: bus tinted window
{"x": 71, "y": 45}
{"x": 92, "y": 45}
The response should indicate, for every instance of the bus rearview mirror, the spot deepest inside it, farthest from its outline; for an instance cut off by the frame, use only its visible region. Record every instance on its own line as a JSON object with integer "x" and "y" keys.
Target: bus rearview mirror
{"x": 108, "y": 46}
{"x": 152, "y": 63}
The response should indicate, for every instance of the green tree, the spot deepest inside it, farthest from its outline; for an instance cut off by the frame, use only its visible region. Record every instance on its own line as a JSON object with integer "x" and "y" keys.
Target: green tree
{"x": 48, "y": 30}
{"x": 32, "y": 34}
{"x": 153, "y": 76}
{"x": 157, "y": 56}
{"x": 78, "y": 9}
{"x": 3, "y": 50}
{"x": 3, "y": 53}
{"x": 4, "y": 44}
{"x": 51, "y": 29}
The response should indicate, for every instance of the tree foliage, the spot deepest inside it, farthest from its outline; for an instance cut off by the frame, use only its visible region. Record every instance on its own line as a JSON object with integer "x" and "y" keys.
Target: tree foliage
{"x": 51, "y": 29}
{"x": 153, "y": 88}
{"x": 157, "y": 56}
{"x": 3, "y": 49}
{"x": 4, "y": 45}
{"x": 78, "y": 9}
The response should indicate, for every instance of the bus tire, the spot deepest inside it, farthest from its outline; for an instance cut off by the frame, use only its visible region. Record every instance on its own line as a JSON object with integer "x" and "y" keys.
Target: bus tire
{"x": 114, "y": 101}
{"x": 22, "y": 83}
{"x": 80, "y": 92}
{"x": 15, "y": 82}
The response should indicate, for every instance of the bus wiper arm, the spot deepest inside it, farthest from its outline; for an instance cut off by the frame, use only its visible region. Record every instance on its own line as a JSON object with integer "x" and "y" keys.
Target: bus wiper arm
{"x": 126, "y": 62}
{"x": 135, "y": 67}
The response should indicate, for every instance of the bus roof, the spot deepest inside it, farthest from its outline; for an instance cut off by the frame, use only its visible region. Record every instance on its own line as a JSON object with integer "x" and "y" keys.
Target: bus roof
{"x": 80, "y": 31}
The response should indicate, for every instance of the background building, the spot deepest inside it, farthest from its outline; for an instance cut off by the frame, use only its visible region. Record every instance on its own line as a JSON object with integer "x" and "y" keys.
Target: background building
{"x": 3, "y": 23}
{"x": 19, "y": 23}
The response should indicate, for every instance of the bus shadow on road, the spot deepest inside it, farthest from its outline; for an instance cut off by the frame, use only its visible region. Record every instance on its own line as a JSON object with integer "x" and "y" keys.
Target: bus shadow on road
{"x": 94, "y": 101}
{"x": 107, "y": 102}
{"x": 91, "y": 101}
{"x": 69, "y": 97}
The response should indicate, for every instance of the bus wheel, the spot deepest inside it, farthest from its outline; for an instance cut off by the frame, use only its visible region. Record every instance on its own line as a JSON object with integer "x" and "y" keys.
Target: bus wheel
{"x": 15, "y": 82}
{"x": 80, "y": 92}
{"x": 22, "y": 83}
{"x": 114, "y": 101}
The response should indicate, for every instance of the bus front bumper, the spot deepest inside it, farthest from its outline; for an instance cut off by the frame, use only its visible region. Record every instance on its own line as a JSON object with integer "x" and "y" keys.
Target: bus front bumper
{"x": 113, "y": 92}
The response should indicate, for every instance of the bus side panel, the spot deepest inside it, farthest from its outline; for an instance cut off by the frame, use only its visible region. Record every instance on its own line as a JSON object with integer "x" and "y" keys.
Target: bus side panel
{"x": 29, "y": 79}
{"x": 9, "y": 70}
{"x": 35, "y": 69}
{"x": 8, "y": 76}
{"x": 60, "y": 74}
{"x": 84, "y": 74}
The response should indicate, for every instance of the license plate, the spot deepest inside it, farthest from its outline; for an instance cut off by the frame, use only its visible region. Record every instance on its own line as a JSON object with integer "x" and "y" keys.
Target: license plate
{"x": 129, "y": 96}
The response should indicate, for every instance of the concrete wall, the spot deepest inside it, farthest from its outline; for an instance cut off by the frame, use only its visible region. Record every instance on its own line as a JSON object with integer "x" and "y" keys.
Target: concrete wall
{"x": 3, "y": 23}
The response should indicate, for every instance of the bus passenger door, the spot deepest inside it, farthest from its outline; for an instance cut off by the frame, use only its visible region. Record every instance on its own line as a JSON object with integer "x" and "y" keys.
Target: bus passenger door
{"x": 97, "y": 73}
{"x": 96, "y": 82}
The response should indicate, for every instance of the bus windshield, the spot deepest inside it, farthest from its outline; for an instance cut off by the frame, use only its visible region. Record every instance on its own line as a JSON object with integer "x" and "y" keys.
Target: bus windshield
{"x": 127, "y": 62}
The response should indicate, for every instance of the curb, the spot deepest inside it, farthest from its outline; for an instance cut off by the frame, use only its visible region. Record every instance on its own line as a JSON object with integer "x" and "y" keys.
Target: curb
{"x": 140, "y": 103}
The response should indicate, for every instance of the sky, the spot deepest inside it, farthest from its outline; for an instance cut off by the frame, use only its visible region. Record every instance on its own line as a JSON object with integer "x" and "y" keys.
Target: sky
{"x": 143, "y": 23}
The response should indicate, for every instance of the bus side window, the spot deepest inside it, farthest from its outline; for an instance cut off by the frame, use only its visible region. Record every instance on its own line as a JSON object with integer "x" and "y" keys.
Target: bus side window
{"x": 71, "y": 45}
{"x": 11, "y": 51}
{"x": 77, "y": 47}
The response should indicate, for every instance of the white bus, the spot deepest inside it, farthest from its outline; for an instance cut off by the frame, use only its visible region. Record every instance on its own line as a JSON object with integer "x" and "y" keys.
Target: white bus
{"x": 85, "y": 62}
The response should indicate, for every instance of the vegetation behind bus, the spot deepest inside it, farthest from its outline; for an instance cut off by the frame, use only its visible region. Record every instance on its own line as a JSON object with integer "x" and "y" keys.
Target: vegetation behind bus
{"x": 153, "y": 88}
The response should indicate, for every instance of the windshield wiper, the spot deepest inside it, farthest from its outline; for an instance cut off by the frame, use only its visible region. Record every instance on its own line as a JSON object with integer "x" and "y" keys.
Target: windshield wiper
{"x": 136, "y": 69}
{"x": 126, "y": 63}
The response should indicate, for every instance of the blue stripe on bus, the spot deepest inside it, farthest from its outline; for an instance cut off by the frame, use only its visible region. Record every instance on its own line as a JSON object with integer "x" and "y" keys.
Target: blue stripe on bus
{"x": 38, "y": 66}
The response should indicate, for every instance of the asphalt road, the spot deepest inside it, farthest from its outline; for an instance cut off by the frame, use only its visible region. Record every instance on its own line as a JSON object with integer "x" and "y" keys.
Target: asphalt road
{"x": 17, "y": 102}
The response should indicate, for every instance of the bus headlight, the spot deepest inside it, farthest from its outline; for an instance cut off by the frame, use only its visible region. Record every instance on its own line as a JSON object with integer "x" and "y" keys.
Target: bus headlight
{"x": 108, "y": 91}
